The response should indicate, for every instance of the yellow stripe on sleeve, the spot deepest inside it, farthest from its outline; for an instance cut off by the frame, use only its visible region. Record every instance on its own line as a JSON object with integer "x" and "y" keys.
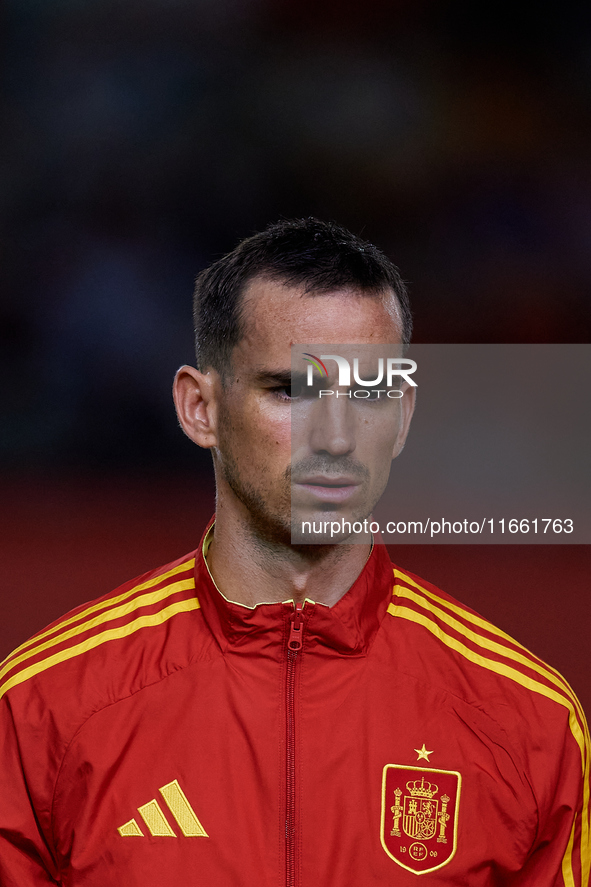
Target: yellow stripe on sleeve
{"x": 98, "y": 639}
{"x": 493, "y": 665}
{"x": 567, "y": 860}
{"x": 103, "y": 604}
{"x": 115, "y": 613}
{"x": 466, "y": 614}
{"x": 508, "y": 652}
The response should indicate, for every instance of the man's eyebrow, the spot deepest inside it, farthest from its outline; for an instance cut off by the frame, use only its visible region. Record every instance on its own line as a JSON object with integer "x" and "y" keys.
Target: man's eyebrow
{"x": 280, "y": 377}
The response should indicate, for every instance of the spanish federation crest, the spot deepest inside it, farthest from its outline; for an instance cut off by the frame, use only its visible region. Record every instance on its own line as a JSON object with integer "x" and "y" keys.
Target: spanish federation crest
{"x": 420, "y": 816}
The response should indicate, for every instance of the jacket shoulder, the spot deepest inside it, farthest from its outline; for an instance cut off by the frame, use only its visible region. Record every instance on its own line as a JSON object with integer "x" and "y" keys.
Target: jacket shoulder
{"x": 479, "y": 662}
{"x": 103, "y": 634}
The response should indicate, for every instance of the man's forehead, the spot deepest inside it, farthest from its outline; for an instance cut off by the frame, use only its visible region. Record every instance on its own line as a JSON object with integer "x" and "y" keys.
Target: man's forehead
{"x": 264, "y": 285}
{"x": 279, "y": 303}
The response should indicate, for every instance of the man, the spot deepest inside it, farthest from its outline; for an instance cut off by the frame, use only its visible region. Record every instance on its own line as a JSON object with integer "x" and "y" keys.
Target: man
{"x": 262, "y": 713}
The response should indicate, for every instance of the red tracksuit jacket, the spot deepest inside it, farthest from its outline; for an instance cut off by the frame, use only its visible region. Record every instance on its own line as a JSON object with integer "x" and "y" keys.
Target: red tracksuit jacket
{"x": 166, "y": 736}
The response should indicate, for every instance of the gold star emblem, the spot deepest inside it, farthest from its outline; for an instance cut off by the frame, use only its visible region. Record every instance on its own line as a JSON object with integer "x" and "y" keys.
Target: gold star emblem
{"x": 423, "y": 754}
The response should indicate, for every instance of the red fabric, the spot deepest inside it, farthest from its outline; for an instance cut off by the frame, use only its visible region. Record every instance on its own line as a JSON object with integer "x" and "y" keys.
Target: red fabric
{"x": 110, "y": 705}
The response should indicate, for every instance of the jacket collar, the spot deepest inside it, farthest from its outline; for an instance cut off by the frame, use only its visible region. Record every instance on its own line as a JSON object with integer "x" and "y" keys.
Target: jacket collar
{"x": 347, "y": 628}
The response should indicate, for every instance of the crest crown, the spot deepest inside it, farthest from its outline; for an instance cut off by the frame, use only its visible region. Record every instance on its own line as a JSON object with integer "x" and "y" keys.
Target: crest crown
{"x": 422, "y": 789}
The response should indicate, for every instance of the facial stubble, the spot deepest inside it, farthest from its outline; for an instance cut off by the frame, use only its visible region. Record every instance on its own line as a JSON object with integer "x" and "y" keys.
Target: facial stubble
{"x": 273, "y": 527}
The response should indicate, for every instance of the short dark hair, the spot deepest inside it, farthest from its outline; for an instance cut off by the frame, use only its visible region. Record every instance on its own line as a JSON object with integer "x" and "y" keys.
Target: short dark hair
{"x": 321, "y": 255}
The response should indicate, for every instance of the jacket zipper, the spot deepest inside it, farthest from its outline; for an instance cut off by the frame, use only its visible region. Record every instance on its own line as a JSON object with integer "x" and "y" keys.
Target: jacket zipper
{"x": 294, "y": 645}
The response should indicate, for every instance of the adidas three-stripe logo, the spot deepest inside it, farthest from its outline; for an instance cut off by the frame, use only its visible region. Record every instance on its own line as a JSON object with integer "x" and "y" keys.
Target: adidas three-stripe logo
{"x": 156, "y": 821}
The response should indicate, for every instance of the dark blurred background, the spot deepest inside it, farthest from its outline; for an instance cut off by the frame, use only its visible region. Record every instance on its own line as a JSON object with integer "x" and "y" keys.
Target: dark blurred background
{"x": 140, "y": 141}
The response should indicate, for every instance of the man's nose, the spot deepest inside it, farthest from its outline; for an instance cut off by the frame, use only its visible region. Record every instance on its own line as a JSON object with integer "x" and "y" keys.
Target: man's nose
{"x": 333, "y": 429}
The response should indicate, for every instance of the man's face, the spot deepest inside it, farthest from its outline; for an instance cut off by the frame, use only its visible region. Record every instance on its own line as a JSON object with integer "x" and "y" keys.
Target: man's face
{"x": 337, "y": 464}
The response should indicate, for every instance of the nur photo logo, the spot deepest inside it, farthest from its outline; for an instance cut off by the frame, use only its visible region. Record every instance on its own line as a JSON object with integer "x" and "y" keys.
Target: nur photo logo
{"x": 388, "y": 369}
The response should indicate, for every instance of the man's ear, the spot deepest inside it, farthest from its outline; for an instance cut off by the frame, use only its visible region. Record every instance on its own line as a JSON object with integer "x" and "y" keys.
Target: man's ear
{"x": 195, "y": 400}
{"x": 407, "y": 408}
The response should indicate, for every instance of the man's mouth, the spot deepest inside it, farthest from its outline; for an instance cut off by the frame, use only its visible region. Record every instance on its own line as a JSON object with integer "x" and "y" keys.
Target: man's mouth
{"x": 329, "y": 488}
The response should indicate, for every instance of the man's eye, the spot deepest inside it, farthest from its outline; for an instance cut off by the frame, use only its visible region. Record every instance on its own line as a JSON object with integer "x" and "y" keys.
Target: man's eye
{"x": 290, "y": 392}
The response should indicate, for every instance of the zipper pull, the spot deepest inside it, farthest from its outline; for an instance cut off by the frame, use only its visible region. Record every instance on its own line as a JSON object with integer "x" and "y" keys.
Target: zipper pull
{"x": 296, "y": 629}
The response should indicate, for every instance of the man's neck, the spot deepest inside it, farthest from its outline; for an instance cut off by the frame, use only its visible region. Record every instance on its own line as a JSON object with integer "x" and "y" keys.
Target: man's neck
{"x": 250, "y": 570}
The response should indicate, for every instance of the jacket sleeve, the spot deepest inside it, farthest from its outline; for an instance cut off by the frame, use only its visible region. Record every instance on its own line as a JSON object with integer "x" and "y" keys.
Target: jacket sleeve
{"x": 561, "y": 855}
{"x": 25, "y": 856}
